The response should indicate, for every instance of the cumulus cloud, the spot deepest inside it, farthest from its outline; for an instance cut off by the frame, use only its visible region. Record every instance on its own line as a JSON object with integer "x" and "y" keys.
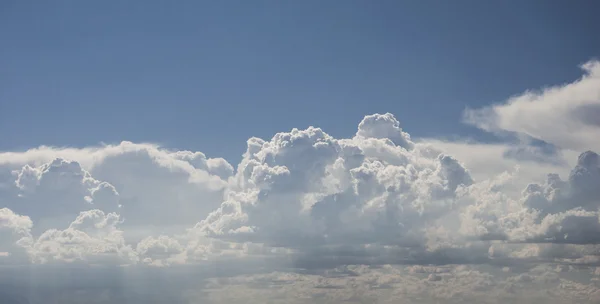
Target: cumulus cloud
{"x": 15, "y": 229}
{"x": 301, "y": 190}
{"x": 56, "y": 191}
{"x": 306, "y": 188}
{"x": 151, "y": 188}
{"x": 565, "y": 116}
{"x": 303, "y": 206}
{"x": 555, "y": 211}
{"x": 91, "y": 238}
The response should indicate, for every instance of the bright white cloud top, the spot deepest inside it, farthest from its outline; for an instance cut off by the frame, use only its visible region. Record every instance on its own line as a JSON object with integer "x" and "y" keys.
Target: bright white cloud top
{"x": 375, "y": 217}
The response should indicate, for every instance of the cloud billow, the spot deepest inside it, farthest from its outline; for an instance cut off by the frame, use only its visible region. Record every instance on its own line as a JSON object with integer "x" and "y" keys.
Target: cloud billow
{"x": 306, "y": 200}
{"x": 302, "y": 190}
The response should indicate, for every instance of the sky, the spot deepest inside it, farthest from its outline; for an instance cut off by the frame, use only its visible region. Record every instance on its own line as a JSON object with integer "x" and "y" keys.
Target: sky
{"x": 165, "y": 73}
{"x": 299, "y": 152}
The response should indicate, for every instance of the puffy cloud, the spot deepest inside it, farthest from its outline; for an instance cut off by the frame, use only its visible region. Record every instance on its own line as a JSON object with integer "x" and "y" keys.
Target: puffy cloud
{"x": 17, "y": 224}
{"x": 555, "y": 211}
{"x": 160, "y": 251}
{"x": 153, "y": 189}
{"x": 214, "y": 166}
{"x": 306, "y": 188}
{"x": 304, "y": 199}
{"x": 487, "y": 160}
{"x": 565, "y": 116}
{"x": 15, "y": 229}
{"x": 53, "y": 193}
{"x": 92, "y": 237}
{"x": 385, "y": 127}
{"x": 580, "y": 190}
{"x": 162, "y": 188}
{"x": 378, "y": 194}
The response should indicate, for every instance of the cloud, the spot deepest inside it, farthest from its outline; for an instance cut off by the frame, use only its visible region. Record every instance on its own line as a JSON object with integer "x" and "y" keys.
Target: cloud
{"x": 151, "y": 188}
{"x": 68, "y": 187}
{"x": 393, "y": 284}
{"x": 384, "y": 127}
{"x": 378, "y": 216}
{"x": 564, "y": 115}
{"x": 92, "y": 238}
{"x": 306, "y": 188}
{"x": 15, "y": 229}
{"x": 377, "y": 194}
{"x": 556, "y": 211}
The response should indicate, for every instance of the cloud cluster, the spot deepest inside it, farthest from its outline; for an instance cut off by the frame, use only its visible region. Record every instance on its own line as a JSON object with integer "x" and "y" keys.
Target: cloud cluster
{"x": 304, "y": 195}
{"x": 413, "y": 284}
{"x": 305, "y": 188}
{"x": 148, "y": 186}
{"x": 306, "y": 200}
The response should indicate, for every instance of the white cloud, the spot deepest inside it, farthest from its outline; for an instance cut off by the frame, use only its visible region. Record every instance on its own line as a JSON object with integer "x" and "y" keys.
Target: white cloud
{"x": 153, "y": 189}
{"x": 306, "y": 188}
{"x": 567, "y": 116}
{"x": 378, "y": 193}
{"x": 92, "y": 237}
{"x": 14, "y": 230}
{"x": 471, "y": 221}
{"x": 58, "y": 191}
{"x": 160, "y": 251}
{"x": 486, "y": 160}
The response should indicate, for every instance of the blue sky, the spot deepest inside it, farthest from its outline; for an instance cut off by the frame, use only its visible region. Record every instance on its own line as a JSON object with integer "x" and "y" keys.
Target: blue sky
{"x": 207, "y": 75}
{"x": 369, "y": 214}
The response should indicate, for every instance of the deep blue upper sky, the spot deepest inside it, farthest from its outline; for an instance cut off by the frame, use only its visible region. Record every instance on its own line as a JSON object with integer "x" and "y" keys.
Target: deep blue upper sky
{"x": 206, "y": 75}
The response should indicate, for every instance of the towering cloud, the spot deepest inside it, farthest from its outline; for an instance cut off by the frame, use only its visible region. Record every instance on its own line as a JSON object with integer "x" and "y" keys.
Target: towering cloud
{"x": 306, "y": 200}
{"x": 378, "y": 193}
